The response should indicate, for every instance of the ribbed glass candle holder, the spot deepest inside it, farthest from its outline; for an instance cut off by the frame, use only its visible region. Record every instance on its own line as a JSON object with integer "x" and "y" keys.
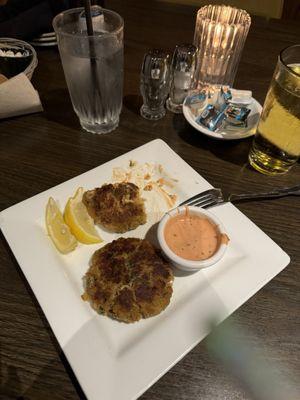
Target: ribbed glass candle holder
{"x": 220, "y": 35}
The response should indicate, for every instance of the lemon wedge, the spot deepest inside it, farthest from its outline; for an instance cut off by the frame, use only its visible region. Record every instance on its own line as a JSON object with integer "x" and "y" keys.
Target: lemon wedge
{"x": 58, "y": 231}
{"x": 79, "y": 221}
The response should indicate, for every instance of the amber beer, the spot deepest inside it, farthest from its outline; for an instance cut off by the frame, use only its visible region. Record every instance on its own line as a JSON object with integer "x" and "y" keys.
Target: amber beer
{"x": 276, "y": 146}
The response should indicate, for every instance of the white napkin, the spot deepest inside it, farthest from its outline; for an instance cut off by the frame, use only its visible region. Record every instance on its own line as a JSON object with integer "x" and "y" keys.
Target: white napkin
{"x": 18, "y": 97}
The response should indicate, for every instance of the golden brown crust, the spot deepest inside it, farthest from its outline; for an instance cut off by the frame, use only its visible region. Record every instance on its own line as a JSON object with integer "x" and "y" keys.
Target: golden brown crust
{"x": 128, "y": 280}
{"x": 117, "y": 207}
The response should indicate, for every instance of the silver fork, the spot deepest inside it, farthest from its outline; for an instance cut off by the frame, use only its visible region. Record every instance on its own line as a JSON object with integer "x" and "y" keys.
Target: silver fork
{"x": 213, "y": 197}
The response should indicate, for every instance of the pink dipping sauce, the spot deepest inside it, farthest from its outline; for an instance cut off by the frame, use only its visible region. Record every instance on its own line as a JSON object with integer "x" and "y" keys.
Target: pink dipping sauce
{"x": 192, "y": 237}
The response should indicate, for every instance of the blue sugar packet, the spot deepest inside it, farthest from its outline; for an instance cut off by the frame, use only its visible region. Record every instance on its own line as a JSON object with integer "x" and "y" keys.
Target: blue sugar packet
{"x": 196, "y": 98}
{"x": 224, "y": 95}
{"x": 211, "y": 118}
{"x": 236, "y": 115}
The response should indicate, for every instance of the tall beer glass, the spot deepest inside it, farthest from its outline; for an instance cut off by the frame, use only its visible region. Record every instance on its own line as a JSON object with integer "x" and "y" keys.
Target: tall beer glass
{"x": 276, "y": 146}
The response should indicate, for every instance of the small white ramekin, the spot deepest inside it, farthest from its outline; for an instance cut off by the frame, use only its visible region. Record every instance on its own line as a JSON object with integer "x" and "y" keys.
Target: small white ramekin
{"x": 182, "y": 263}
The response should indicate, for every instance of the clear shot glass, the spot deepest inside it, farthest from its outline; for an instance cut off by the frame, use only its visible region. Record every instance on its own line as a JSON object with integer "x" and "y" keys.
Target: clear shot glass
{"x": 154, "y": 84}
{"x": 182, "y": 72}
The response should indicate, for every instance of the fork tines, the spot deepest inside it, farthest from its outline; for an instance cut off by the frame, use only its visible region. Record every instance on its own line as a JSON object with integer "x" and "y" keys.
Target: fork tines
{"x": 205, "y": 199}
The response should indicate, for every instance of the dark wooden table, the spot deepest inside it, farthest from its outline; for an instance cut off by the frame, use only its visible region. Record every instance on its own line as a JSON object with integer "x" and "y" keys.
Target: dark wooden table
{"x": 42, "y": 150}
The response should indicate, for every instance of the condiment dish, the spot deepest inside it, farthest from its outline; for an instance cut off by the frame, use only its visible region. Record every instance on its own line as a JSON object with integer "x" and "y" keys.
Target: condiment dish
{"x": 190, "y": 265}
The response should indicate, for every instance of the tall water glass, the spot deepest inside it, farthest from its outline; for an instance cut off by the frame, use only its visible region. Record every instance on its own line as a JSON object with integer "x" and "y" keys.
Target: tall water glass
{"x": 220, "y": 35}
{"x": 93, "y": 65}
{"x": 276, "y": 146}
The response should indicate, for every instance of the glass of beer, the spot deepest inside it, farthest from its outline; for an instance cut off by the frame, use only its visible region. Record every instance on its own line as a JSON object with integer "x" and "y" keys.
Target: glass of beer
{"x": 276, "y": 146}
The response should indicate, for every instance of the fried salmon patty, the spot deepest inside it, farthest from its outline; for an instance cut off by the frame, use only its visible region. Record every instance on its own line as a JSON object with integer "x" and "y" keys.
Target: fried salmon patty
{"x": 128, "y": 280}
{"x": 117, "y": 207}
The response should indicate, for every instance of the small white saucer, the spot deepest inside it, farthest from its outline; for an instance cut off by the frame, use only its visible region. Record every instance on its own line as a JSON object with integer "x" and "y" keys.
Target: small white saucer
{"x": 227, "y": 134}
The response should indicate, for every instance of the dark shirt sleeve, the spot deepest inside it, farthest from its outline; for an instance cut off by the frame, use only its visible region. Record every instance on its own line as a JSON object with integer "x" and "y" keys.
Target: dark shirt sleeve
{"x": 25, "y": 19}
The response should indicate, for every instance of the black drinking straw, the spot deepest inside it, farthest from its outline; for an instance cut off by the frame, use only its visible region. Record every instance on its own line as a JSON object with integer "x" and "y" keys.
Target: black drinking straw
{"x": 88, "y": 17}
{"x": 90, "y": 31}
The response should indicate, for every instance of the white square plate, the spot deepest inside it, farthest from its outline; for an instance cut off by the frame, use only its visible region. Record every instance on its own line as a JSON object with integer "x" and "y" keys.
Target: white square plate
{"x": 102, "y": 351}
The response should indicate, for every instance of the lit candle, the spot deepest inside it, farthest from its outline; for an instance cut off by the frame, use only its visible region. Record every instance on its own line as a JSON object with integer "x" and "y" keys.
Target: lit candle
{"x": 219, "y": 40}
